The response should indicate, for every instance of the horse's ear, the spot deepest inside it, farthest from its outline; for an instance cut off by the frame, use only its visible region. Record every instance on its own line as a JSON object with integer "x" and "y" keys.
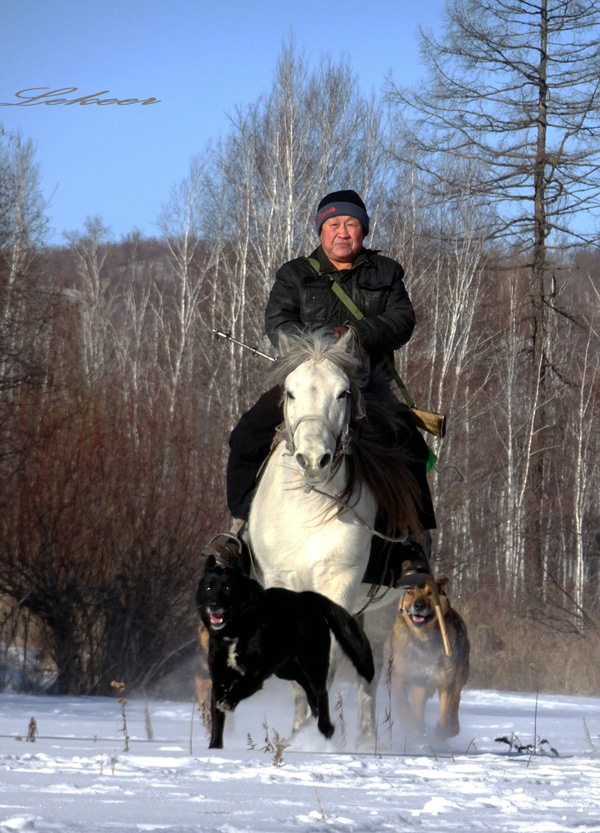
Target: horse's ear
{"x": 350, "y": 344}
{"x": 348, "y": 341}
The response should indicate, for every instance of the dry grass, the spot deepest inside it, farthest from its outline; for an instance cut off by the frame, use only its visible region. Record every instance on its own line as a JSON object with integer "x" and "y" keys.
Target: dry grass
{"x": 517, "y": 651}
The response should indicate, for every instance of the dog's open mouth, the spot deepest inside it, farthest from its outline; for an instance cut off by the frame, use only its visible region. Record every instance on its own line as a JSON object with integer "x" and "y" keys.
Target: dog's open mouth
{"x": 418, "y": 619}
{"x": 217, "y": 619}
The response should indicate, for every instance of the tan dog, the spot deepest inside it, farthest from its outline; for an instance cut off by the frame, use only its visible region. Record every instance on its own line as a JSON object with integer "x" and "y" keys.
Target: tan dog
{"x": 202, "y": 676}
{"x": 421, "y": 665}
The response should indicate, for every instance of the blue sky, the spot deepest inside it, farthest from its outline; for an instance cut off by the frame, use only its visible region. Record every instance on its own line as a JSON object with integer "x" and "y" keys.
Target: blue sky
{"x": 200, "y": 58}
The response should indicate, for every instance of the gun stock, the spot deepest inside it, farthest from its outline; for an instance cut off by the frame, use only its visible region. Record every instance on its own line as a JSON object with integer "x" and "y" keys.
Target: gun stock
{"x": 429, "y": 421}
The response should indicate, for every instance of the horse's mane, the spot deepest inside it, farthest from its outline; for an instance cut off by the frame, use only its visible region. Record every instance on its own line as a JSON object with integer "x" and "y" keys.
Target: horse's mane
{"x": 378, "y": 459}
{"x": 381, "y": 460}
{"x": 320, "y": 345}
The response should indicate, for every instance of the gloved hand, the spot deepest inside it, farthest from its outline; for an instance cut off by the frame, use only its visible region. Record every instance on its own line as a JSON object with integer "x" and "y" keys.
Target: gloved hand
{"x": 339, "y": 330}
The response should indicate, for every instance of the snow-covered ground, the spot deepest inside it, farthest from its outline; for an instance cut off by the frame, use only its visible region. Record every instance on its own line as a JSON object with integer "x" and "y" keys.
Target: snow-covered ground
{"x": 76, "y": 775}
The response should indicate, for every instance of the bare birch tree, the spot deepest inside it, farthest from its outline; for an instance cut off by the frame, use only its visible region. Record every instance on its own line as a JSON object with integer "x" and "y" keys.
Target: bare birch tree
{"x": 585, "y": 470}
{"x": 311, "y": 133}
{"x": 23, "y": 220}
{"x": 512, "y": 89}
{"x": 194, "y": 262}
{"x": 89, "y": 251}
{"x": 23, "y": 224}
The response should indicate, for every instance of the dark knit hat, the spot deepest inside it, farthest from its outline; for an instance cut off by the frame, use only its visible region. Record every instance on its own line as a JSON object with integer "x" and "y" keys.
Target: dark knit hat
{"x": 346, "y": 203}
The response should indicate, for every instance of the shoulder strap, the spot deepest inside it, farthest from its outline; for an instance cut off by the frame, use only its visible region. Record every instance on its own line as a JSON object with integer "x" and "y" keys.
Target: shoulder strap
{"x": 346, "y": 299}
{"x": 358, "y": 314}
{"x": 339, "y": 290}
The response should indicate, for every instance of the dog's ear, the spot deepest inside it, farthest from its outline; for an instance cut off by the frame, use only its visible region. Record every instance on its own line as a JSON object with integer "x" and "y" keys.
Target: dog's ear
{"x": 252, "y": 592}
{"x": 441, "y": 583}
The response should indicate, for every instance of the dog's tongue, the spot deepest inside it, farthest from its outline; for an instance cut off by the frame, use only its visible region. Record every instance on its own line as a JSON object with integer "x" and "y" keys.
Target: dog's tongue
{"x": 216, "y": 618}
{"x": 418, "y": 619}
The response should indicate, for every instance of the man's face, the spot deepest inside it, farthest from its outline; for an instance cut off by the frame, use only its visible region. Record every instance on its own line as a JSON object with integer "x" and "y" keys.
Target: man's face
{"x": 342, "y": 238}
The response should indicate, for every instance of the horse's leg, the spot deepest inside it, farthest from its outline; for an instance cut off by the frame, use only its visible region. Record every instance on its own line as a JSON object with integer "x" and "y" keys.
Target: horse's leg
{"x": 378, "y": 624}
{"x": 301, "y": 708}
{"x": 420, "y": 696}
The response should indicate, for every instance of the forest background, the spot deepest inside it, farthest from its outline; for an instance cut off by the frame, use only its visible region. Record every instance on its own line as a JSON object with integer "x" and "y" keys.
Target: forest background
{"x": 116, "y": 398}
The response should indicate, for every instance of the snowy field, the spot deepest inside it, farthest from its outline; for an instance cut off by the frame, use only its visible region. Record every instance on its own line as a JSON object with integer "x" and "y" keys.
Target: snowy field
{"x": 76, "y": 775}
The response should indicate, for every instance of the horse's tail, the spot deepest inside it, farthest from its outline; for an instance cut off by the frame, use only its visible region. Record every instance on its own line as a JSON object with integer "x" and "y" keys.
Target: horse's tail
{"x": 350, "y": 635}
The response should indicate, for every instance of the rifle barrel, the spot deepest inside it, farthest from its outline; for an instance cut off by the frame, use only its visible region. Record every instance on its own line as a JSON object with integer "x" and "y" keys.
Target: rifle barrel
{"x": 235, "y": 340}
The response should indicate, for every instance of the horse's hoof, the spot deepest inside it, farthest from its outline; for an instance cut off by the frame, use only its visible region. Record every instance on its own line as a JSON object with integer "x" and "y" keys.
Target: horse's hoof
{"x": 365, "y": 742}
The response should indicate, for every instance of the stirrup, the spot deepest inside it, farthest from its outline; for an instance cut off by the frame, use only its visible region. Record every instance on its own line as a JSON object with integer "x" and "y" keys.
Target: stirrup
{"x": 411, "y": 580}
{"x": 225, "y": 553}
{"x": 230, "y": 535}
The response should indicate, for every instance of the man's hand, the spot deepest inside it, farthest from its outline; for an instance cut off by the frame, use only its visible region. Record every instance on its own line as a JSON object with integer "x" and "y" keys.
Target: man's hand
{"x": 339, "y": 330}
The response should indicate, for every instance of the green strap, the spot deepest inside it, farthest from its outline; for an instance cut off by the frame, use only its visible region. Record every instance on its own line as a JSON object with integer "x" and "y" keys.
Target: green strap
{"x": 359, "y": 315}
{"x": 346, "y": 299}
{"x": 431, "y": 459}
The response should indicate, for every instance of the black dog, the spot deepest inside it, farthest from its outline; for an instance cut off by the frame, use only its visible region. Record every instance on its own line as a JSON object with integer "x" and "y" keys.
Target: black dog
{"x": 254, "y": 633}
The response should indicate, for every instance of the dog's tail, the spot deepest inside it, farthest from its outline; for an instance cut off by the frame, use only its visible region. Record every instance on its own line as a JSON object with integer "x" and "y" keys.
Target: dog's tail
{"x": 350, "y": 635}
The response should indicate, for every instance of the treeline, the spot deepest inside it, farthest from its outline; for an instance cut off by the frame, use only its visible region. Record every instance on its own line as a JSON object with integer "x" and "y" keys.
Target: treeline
{"x": 117, "y": 399}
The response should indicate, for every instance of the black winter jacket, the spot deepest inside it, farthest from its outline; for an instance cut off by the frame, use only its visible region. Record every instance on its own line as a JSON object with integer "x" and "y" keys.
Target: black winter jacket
{"x": 302, "y": 299}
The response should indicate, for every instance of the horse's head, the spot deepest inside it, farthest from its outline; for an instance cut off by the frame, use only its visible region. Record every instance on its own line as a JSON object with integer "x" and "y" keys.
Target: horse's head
{"x": 318, "y": 378}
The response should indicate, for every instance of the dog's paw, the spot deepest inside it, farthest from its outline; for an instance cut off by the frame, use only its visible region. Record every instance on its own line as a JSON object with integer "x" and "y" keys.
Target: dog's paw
{"x": 326, "y": 728}
{"x": 225, "y": 705}
{"x": 450, "y": 730}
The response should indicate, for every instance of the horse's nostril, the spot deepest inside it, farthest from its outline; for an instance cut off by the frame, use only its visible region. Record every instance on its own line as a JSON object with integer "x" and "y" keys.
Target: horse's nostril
{"x": 325, "y": 461}
{"x": 301, "y": 460}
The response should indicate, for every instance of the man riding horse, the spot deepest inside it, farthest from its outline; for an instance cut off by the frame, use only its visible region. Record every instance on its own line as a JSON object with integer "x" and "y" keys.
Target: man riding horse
{"x": 303, "y": 299}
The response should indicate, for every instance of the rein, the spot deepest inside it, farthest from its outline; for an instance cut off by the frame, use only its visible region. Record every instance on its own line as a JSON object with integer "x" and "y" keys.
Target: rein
{"x": 375, "y": 588}
{"x": 345, "y": 507}
{"x": 342, "y": 446}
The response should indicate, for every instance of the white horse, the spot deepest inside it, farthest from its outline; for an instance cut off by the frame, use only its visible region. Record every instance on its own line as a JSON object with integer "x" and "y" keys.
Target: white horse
{"x": 303, "y": 535}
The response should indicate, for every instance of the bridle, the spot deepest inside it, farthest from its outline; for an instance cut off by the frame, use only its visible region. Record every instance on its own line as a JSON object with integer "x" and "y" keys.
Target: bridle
{"x": 342, "y": 440}
{"x": 342, "y": 446}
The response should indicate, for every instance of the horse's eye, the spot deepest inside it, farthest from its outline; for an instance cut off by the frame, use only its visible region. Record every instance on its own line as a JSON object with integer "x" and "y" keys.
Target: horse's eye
{"x": 290, "y": 395}
{"x": 344, "y": 394}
